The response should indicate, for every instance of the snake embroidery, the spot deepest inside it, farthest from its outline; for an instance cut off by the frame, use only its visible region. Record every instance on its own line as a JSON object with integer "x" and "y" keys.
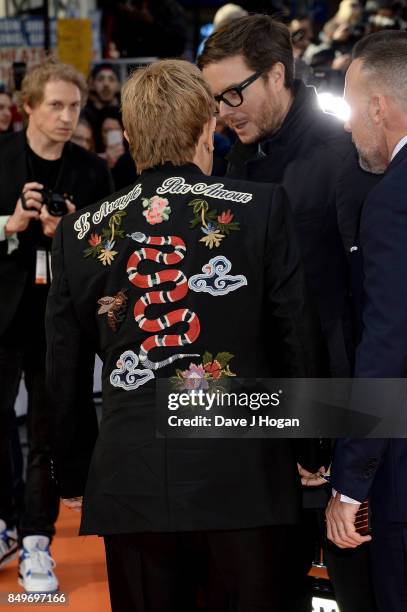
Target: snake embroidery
{"x": 147, "y": 281}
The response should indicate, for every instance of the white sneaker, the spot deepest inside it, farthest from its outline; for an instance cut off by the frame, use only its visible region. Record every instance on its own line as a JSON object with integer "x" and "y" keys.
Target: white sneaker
{"x": 8, "y": 543}
{"x": 36, "y": 566}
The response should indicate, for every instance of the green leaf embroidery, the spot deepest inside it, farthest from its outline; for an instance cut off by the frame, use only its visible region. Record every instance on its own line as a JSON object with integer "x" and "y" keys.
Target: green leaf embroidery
{"x": 224, "y": 358}
{"x": 109, "y": 234}
{"x": 207, "y": 358}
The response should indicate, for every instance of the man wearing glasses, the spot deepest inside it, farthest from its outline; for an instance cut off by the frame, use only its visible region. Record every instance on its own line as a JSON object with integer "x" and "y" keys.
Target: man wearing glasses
{"x": 283, "y": 137}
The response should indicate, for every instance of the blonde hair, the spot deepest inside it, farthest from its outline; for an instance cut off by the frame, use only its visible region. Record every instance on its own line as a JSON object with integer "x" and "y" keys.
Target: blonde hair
{"x": 33, "y": 85}
{"x": 164, "y": 109}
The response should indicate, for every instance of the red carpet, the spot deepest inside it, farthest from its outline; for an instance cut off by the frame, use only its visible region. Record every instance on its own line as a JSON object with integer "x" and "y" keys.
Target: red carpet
{"x": 80, "y": 569}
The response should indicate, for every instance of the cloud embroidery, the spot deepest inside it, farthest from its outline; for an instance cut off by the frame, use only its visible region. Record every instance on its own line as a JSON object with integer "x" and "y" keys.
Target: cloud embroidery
{"x": 216, "y": 279}
{"x": 127, "y": 376}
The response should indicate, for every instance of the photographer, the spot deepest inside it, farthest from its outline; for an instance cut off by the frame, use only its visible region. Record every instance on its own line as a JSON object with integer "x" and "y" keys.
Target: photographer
{"x": 43, "y": 177}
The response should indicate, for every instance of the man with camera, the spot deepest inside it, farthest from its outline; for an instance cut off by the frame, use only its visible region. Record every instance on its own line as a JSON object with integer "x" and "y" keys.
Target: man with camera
{"x": 43, "y": 177}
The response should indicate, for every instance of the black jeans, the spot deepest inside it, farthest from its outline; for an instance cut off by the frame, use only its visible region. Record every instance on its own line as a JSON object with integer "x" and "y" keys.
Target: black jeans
{"x": 41, "y": 501}
{"x": 9, "y": 379}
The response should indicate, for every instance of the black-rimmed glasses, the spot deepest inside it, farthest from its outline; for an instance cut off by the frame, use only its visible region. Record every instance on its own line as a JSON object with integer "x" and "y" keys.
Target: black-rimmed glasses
{"x": 233, "y": 95}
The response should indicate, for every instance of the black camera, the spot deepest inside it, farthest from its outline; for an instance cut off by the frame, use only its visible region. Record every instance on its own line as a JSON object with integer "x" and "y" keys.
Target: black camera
{"x": 55, "y": 203}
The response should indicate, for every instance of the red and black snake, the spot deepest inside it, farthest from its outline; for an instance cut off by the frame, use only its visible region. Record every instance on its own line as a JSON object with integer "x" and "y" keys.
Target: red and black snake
{"x": 146, "y": 281}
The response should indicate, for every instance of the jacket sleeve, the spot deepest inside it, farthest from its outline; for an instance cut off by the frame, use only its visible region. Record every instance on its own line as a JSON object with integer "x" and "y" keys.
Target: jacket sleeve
{"x": 292, "y": 317}
{"x": 69, "y": 378}
{"x": 355, "y": 464}
{"x": 382, "y": 352}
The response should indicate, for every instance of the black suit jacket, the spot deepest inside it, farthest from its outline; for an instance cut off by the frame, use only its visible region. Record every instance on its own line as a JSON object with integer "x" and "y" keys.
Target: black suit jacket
{"x": 136, "y": 481}
{"x": 377, "y": 468}
{"x": 315, "y": 161}
{"x": 85, "y": 177}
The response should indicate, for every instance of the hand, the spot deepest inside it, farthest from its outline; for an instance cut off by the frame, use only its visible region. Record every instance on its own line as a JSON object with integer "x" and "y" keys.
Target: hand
{"x": 73, "y": 503}
{"x": 340, "y": 523}
{"x": 21, "y": 217}
{"x": 49, "y": 222}
{"x": 311, "y": 479}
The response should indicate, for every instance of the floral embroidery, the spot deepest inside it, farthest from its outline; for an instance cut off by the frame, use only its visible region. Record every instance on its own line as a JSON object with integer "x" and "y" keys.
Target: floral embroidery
{"x": 156, "y": 210}
{"x": 226, "y": 217}
{"x": 101, "y": 246}
{"x": 199, "y": 376}
{"x": 213, "y": 236}
{"x": 107, "y": 254}
{"x": 95, "y": 239}
{"x": 114, "y": 307}
{"x": 214, "y": 369}
{"x": 194, "y": 377}
{"x": 215, "y": 226}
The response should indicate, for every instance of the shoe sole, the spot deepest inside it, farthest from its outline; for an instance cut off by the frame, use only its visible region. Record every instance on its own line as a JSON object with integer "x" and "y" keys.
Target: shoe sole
{"x": 21, "y": 583}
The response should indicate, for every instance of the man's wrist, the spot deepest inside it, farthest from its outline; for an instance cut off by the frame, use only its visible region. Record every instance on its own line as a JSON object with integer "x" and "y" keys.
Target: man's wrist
{"x": 345, "y": 498}
{"x": 9, "y": 228}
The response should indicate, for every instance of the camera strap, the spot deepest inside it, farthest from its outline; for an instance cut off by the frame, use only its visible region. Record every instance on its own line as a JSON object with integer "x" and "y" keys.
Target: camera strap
{"x": 33, "y": 174}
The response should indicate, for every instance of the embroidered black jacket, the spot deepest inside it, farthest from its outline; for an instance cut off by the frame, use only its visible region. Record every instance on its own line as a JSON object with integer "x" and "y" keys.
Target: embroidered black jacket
{"x": 177, "y": 264}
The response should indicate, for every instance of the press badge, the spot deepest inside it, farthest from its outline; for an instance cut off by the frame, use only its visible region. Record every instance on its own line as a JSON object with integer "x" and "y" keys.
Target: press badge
{"x": 41, "y": 267}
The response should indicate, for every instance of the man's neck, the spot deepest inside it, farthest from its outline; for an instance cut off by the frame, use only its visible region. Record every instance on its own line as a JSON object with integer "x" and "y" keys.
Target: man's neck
{"x": 287, "y": 98}
{"x": 287, "y": 103}
{"x": 42, "y": 146}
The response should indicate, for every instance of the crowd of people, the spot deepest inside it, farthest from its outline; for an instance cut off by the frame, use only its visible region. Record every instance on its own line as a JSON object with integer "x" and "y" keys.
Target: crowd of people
{"x": 320, "y": 249}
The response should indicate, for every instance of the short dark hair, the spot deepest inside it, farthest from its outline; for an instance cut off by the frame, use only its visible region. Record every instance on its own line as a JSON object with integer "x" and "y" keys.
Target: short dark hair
{"x": 384, "y": 59}
{"x": 382, "y": 48}
{"x": 104, "y": 66}
{"x": 260, "y": 39}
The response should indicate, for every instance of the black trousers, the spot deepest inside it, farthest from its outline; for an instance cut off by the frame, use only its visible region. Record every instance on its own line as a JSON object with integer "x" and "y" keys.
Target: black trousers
{"x": 389, "y": 566}
{"x": 244, "y": 570}
{"x": 9, "y": 364}
{"x": 41, "y": 500}
{"x": 350, "y": 573}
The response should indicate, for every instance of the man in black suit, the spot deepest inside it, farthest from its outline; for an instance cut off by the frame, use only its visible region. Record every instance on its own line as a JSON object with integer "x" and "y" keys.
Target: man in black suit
{"x": 158, "y": 502}
{"x": 284, "y": 137}
{"x": 376, "y": 89}
{"x": 42, "y": 177}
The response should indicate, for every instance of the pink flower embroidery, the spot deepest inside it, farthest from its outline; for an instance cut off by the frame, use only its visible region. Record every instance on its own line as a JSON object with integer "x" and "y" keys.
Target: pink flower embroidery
{"x": 156, "y": 210}
{"x": 194, "y": 377}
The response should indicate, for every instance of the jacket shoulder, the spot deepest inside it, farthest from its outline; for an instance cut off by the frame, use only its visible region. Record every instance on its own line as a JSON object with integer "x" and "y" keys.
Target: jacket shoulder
{"x": 255, "y": 188}
{"x": 83, "y": 220}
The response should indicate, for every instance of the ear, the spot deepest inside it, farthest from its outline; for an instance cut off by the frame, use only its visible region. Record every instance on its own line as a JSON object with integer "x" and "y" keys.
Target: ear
{"x": 276, "y": 76}
{"x": 208, "y": 133}
{"x": 27, "y": 109}
{"x": 377, "y": 109}
{"x": 126, "y": 137}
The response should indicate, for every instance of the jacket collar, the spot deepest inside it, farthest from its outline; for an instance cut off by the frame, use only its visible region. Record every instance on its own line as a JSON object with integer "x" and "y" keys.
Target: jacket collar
{"x": 397, "y": 159}
{"x": 169, "y": 169}
{"x": 298, "y": 119}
